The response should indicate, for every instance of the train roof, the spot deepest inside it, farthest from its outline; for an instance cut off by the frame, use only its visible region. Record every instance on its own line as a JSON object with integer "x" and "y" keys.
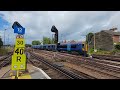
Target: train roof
{"x": 71, "y": 43}
{"x": 49, "y": 44}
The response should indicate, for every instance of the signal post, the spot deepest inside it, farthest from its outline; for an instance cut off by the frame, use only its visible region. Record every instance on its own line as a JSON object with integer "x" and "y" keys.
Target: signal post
{"x": 19, "y": 57}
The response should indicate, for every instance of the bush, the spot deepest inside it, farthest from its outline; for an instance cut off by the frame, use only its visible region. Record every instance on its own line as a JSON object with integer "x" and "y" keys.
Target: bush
{"x": 117, "y": 46}
{"x": 3, "y": 51}
{"x": 91, "y": 50}
{"x": 115, "y": 51}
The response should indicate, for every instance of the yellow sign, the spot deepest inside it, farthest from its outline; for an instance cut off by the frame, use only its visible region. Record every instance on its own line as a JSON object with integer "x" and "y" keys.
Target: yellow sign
{"x": 20, "y": 42}
{"x": 18, "y": 62}
{"x": 19, "y": 58}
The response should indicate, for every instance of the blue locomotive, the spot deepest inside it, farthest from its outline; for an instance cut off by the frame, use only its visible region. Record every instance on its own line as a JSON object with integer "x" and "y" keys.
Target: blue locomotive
{"x": 80, "y": 48}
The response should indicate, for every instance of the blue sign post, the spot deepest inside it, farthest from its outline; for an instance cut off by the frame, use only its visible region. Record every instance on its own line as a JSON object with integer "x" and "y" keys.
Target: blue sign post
{"x": 18, "y": 28}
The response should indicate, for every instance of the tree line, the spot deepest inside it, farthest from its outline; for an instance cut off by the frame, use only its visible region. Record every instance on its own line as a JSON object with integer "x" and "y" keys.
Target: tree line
{"x": 46, "y": 40}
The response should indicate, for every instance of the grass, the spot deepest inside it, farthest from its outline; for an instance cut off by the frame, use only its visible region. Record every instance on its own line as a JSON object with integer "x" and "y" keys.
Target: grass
{"x": 5, "y": 51}
{"x": 103, "y": 52}
{"x": 100, "y": 52}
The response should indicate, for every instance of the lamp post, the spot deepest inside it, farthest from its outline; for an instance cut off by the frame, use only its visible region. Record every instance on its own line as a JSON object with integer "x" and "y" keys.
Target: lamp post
{"x": 94, "y": 42}
{"x": 8, "y": 40}
{"x": 61, "y": 38}
{"x": 52, "y": 38}
{"x": 95, "y": 50}
{"x": 4, "y": 38}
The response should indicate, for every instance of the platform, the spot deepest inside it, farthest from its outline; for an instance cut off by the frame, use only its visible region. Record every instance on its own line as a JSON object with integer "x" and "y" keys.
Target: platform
{"x": 31, "y": 73}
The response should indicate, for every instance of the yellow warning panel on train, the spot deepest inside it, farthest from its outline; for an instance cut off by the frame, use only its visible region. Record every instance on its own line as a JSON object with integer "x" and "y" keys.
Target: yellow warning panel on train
{"x": 20, "y": 42}
{"x": 18, "y": 62}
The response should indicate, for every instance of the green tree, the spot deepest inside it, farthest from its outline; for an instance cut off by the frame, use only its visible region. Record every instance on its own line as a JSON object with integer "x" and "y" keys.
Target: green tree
{"x": 1, "y": 42}
{"x": 35, "y": 42}
{"x": 28, "y": 45}
{"x": 117, "y": 46}
{"x": 46, "y": 40}
{"x": 89, "y": 37}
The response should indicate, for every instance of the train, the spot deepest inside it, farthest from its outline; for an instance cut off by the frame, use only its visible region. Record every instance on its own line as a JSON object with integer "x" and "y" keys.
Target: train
{"x": 80, "y": 48}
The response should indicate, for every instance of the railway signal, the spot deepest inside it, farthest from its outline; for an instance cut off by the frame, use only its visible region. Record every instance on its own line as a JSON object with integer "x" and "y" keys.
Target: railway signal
{"x": 18, "y": 28}
{"x": 54, "y": 29}
{"x": 19, "y": 57}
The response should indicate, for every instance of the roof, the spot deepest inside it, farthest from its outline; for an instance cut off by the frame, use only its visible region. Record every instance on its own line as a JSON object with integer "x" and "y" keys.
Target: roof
{"x": 112, "y": 32}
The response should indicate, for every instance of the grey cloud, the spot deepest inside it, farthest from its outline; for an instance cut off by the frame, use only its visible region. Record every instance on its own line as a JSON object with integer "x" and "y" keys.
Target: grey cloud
{"x": 71, "y": 24}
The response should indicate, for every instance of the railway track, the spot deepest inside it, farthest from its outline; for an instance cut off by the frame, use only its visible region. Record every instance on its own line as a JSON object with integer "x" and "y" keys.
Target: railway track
{"x": 82, "y": 58}
{"x": 5, "y": 61}
{"x": 101, "y": 64}
{"x": 5, "y": 57}
{"x": 114, "y": 67}
{"x": 100, "y": 57}
{"x": 67, "y": 73}
{"x": 107, "y": 57}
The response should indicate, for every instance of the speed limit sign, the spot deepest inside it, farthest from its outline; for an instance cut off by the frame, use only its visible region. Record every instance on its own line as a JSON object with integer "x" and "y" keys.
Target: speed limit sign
{"x": 19, "y": 51}
{"x": 20, "y": 42}
{"x": 19, "y": 57}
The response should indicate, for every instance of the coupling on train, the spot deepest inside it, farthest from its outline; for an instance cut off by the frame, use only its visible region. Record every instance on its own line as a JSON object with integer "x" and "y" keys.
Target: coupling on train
{"x": 80, "y": 48}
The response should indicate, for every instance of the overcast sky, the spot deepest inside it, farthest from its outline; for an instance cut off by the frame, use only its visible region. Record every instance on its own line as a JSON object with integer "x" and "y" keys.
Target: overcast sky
{"x": 72, "y": 25}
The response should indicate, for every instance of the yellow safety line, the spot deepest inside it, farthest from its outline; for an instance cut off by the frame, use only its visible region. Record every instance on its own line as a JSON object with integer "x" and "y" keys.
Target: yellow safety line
{"x": 26, "y": 76}
{"x": 13, "y": 77}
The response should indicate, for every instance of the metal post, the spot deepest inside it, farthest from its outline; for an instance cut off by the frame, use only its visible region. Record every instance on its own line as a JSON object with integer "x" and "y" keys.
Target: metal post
{"x": 62, "y": 39}
{"x": 4, "y": 38}
{"x": 52, "y": 38}
{"x": 8, "y": 39}
{"x": 88, "y": 43}
{"x": 17, "y": 74}
{"x": 94, "y": 41}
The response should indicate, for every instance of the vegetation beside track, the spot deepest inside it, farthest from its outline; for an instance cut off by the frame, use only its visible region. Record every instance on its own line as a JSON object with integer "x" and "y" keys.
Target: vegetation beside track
{"x": 4, "y": 51}
{"x": 103, "y": 52}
